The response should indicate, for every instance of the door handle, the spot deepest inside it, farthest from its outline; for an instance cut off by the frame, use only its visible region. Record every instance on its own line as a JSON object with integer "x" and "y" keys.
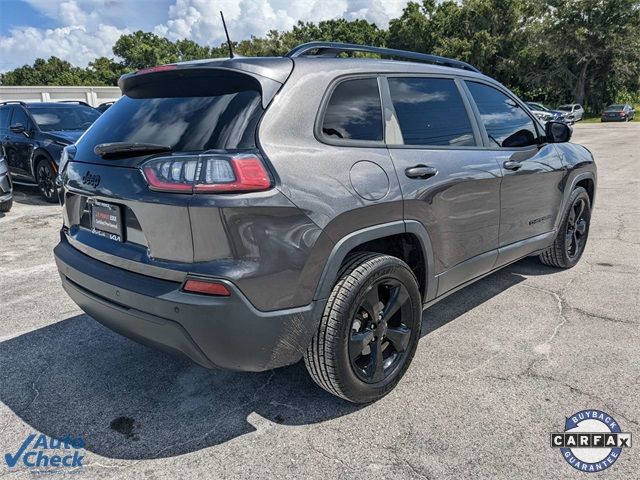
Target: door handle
{"x": 511, "y": 165}
{"x": 420, "y": 171}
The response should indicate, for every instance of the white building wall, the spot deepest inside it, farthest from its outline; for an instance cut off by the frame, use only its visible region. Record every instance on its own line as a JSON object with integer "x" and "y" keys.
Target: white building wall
{"x": 94, "y": 96}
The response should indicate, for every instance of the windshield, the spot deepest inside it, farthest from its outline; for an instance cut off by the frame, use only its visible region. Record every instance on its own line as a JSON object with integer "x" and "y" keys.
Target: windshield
{"x": 614, "y": 108}
{"x": 77, "y": 117}
{"x": 565, "y": 108}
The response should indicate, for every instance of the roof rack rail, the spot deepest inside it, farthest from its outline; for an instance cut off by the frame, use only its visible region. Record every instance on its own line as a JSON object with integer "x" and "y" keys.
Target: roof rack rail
{"x": 6, "y": 102}
{"x": 333, "y": 49}
{"x": 79, "y": 102}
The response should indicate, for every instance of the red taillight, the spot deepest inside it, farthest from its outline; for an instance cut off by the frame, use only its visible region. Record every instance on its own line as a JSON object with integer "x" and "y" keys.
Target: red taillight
{"x": 621, "y": 114}
{"x": 207, "y": 174}
{"x": 250, "y": 175}
{"x": 206, "y": 287}
{"x": 159, "y": 68}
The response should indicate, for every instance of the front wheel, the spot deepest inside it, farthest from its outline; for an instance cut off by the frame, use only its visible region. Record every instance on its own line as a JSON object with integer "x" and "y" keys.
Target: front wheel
{"x": 6, "y": 206}
{"x": 369, "y": 329}
{"x": 570, "y": 242}
{"x": 46, "y": 178}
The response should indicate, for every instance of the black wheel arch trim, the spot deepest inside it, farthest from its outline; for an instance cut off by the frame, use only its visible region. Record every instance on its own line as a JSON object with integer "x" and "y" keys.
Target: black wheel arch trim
{"x": 41, "y": 153}
{"x": 572, "y": 185}
{"x": 342, "y": 248}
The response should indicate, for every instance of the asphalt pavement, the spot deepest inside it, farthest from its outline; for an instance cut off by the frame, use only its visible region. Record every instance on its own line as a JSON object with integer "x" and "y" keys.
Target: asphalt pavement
{"x": 500, "y": 365}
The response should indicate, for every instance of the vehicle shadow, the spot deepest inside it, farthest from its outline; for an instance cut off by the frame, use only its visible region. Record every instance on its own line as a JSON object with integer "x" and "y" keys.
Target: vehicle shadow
{"x": 27, "y": 195}
{"x": 132, "y": 402}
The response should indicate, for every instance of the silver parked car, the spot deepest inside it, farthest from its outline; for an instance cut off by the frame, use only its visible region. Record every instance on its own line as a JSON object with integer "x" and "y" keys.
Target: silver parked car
{"x": 6, "y": 188}
{"x": 574, "y": 111}
{"x": 545, "y": 114}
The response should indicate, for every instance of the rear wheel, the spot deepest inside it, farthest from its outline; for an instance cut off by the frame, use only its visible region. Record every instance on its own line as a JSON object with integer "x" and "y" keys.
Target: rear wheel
{"x": 6, "y": 206}
{"x": 571, "y": 240}
{"x": 369, "y": 330}
{"x": 46, "y": 176}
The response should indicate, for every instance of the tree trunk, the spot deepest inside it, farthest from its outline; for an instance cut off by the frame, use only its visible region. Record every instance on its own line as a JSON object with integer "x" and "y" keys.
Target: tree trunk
{"x": 578, "y": 91}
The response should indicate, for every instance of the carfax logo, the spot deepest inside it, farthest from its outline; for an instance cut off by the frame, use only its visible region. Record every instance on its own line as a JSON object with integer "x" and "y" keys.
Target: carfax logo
{"x": 592, "y": 440}
{"x": 47, "y": 454}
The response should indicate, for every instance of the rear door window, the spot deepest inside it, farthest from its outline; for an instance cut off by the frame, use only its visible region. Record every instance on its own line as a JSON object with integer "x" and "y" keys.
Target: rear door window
{"x": 506, "y": 123}
{"x": 354, "y": 111}
{"x": 430, "y": 111}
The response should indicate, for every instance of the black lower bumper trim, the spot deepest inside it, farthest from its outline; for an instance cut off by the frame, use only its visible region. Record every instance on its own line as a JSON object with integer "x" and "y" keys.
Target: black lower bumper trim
{"x": 224, "y": 332}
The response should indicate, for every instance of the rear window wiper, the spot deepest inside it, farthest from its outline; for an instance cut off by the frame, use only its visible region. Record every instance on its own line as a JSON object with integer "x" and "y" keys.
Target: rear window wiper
{"x": 128, "y": 149}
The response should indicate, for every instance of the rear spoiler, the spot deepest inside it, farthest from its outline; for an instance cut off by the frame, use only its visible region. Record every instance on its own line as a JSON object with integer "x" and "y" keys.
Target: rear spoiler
{"x": 267, "y": 74}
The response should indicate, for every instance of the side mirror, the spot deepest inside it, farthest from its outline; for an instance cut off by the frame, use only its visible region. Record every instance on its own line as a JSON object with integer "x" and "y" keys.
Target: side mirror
{"x": 17, "y": 128}
{"x": 557, "y": 132}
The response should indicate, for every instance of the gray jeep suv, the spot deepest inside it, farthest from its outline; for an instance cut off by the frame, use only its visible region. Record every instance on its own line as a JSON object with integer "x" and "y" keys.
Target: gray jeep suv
{"x": 252, "y": 212}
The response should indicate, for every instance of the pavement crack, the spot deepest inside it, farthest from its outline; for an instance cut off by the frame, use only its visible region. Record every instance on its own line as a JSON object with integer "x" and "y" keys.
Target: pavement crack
{"x": 331, "y": 457}
{"x": 603, "y": 317}
{"x": 562, "y": 305}
{"x": 36, "y": 394}
{"x": 531, "y": 374}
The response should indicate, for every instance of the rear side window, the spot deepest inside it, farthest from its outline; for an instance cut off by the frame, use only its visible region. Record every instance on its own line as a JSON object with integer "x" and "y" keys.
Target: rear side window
{"x": 507, "y": 124}
{"x": 222, "y": 114}
{"x": 430, "y": 111}
{"x": 5, "y": 113}
{"x": 354, "y": 111}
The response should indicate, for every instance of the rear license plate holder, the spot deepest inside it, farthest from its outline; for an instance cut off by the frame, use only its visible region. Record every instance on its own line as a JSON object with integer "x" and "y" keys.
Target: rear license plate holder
{"x": 106, "y": 220}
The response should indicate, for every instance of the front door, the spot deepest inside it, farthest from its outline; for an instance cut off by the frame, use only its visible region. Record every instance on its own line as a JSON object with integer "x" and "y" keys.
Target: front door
{"x": 449, "y": 182}
{"x": 531, "y": 192}
{"x": 18, "y": 145}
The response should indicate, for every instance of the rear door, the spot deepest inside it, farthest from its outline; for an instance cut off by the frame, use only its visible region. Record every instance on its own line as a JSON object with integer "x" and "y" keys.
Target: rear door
{"x": 449, "y": 182}
{"x": 531, "y": 192}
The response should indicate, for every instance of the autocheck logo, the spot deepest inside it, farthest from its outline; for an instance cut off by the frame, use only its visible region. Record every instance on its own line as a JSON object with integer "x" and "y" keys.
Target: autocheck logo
{"x": 592, "y": 440}
{"x": 47, "y": 454}
{"x": 91, "y": 179}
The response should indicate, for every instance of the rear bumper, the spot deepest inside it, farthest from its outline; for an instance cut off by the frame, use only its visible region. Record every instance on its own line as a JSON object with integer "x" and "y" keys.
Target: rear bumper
{"x": 223, "y": 332}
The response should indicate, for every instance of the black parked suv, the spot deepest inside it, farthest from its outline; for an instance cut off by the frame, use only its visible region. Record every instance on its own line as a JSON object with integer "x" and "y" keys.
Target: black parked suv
{"x": 252, "y": 212}
{"x": 33, "y": 136}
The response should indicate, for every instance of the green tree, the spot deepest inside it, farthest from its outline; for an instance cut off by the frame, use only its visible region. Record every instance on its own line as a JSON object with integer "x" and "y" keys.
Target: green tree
{"x": 106, "y": 71}
{"x": 594, "y": 47}
{"x": 53, "y": 71}
{"x": 144, "y": 49}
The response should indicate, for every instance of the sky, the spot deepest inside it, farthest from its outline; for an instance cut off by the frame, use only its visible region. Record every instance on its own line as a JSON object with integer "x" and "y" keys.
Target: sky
{"x": 81, "y": 30}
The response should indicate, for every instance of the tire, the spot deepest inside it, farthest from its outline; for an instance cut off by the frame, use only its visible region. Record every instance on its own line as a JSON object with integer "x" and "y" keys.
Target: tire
{"x": 45, "y": 177}
{"x": 571, "y": 240}
{"x": 336, "y": 358}
{"x": 6, "y": 206}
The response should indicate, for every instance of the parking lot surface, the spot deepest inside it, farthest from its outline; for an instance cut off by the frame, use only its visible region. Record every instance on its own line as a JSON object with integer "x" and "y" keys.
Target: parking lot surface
{"x": 500, "y": 365}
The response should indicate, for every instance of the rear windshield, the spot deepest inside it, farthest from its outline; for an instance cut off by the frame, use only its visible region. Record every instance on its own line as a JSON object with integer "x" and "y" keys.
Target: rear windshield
{"x": 565, "y": 108}
{"x": 64, "y": 118}
{"x": 186, "y": 124}
{"x": 614, "y": 108}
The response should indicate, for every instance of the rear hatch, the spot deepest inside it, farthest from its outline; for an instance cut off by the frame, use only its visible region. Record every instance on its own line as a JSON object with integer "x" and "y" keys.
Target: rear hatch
{"x": 178, "y": 132}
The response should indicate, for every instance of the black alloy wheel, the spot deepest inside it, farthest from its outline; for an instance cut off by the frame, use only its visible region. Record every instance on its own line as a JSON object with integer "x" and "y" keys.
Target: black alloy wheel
{"x": 369, "y": 330}
{"x": 379, "y": 338}
{"x": 571, "y": 239}
{"x": 46, "y": 177}
{"x": 577, "y": 222}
